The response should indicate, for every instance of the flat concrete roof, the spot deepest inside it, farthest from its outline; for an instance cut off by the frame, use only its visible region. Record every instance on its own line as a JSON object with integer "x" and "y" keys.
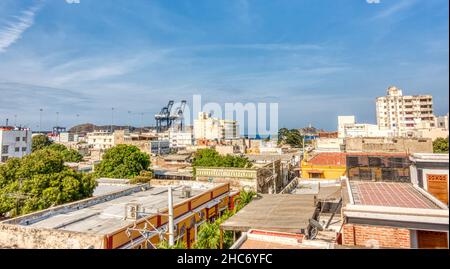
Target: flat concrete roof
{"x": 105, "y": 188}
{"x": 108, "y": 216}
{"x": 429, "y": 157}
{"x": 274, "y": 212}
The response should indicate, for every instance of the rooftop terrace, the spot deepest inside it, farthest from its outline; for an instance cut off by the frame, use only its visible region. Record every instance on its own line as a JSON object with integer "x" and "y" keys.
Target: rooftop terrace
{"x": 391, "y": 194}
{"x": 105, "y": 214}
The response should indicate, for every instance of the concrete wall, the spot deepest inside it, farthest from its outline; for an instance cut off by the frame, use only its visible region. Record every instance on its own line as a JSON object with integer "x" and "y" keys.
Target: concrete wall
{"x": 255, "y": 178}
{"x": 397, "y": 144}
{"x": 15, "y": 236}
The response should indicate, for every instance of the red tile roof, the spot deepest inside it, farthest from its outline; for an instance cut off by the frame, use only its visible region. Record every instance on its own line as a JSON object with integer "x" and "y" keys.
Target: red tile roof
{"x": 391, "y": 194}
{"x": 328, "y": 158}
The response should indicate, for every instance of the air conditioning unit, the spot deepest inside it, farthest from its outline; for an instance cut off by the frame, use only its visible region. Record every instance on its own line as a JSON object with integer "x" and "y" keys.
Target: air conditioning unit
{"x": 186, "y": 192}
{"x": 132, "y": 211}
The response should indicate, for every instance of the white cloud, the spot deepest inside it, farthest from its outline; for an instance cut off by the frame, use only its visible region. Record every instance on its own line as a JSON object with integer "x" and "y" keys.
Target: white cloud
{"x": 395, "y": 9}
{"x": 14, "y": 29}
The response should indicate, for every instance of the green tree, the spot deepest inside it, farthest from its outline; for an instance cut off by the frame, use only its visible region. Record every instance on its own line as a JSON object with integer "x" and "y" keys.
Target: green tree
{"x": 290, "y": 137}
{"x": 122, "y": 161}
{"x": 440, "y": 145}
{"x": 144, "y": 177}
{"x": 39, "y": 142}
{"x": 38, "y": 181}
{"x": 68, "y": 155}
{"x": 282, "y": 134}
{"x": 244, "y": 198}
{"x": 211, "y": 158}
{"x": 164, "y": 244}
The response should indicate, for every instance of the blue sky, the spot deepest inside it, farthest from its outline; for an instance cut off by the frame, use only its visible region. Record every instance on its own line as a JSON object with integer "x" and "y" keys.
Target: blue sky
{"x": 317, "y": 59}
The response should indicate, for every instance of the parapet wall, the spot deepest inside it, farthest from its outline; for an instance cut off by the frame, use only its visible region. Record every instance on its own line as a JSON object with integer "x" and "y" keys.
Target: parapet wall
{"x": 22, "y": 237}
{"x": 38, "y": 216}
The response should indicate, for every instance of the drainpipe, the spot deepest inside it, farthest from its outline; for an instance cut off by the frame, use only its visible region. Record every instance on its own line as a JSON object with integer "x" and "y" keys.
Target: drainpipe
{"x": 171, "y": 232}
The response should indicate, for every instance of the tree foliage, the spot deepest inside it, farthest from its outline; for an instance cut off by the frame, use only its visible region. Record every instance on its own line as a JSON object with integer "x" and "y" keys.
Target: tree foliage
{"x": 43, "y": 142}
{"x": 290, "y": 137}
{"x": 209, "y": 233}
{"x": 144, "y": 177}
{"x": 211, "y": 158}
{"x": 68, "y": 155}
{"x": 164, "y": 244}
{"x": 39, "y": 142}
{"x": 440, "y": 145}
{"x": 122, "y": 161}
{"x": 38, "y": 181}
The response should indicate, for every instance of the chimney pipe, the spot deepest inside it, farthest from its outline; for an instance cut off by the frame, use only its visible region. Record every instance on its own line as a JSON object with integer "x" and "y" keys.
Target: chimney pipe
{"x": 7, "y": 121}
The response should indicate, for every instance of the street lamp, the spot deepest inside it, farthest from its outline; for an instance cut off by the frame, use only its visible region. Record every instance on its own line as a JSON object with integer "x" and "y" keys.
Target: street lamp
{"x": 40, "y": 120}
{"x": 129, "y": 120}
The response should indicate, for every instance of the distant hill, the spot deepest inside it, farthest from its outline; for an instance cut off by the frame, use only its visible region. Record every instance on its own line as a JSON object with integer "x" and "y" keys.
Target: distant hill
{"x": 85, "y": 128}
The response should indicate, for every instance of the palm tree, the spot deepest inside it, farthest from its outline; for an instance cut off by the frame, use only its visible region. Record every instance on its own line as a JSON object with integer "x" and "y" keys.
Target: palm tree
{"x": 244, "y": 198}
{"x": 208, "y": 236}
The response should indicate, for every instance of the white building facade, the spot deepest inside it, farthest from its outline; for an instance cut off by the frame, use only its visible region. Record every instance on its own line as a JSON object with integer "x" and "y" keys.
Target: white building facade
{"x": 347, "y": 127}
{"x": 208, "y": 128}
{"x": 179, "y": 139}
{"x": 14, "y": 143}
{"x": 101, "y": 140}
{"x": 402, "y": 113}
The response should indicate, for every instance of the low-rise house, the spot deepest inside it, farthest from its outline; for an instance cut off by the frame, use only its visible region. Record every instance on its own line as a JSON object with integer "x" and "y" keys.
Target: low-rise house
{"x": 160, "y": 147}
{"x": 378, "y": 166}
{"x": 15, "y": 142}
{"x": 284, "y": 213}
{"x": 262, "y": 178}
{"x": 101, "y": 140}
{"x": 388, "y": 144}
{"x": 132, "y": 218}
{"x": 392, "y": 215}
{"x": 324, "y": 165}
{"x": 325, "y": 144}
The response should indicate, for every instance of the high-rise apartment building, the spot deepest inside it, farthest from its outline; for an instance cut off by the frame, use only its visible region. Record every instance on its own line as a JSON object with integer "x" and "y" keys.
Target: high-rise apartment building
{"x": 402, "y": 113}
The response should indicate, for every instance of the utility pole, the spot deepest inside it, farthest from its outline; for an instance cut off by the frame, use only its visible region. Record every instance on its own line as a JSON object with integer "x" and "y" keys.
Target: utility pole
{"x": 171, "y": 222}
{"x": 129, "y": 120}
{"x": 112, "y": 119}
{"x": 40, "y": 120}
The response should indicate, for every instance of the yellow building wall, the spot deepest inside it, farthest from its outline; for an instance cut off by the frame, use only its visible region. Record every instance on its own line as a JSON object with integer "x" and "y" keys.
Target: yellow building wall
{"x": 328, "y": 171}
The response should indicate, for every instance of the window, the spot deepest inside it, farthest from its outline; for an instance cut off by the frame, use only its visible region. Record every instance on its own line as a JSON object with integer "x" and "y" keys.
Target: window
{"x": 4, "y": 159}
{"x": 375, "y": 161}
{"x": 17, "y": 139}
{"x": 5, "y": 149}
{"x": 24, "y": 138}
{"x": 24, "y": 149}
{"x": 17, "y": 149}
